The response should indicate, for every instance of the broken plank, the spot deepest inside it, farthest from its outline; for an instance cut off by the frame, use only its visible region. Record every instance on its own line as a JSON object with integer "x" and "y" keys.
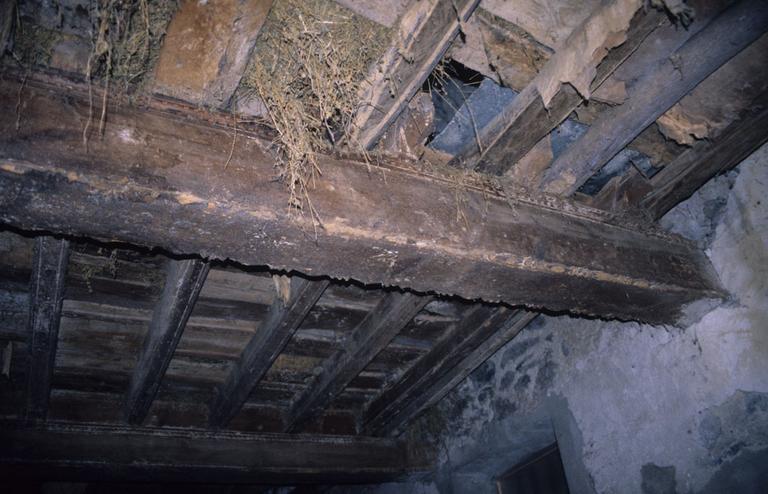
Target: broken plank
{"x": 158, "y": 179}
{"x": 284, "y": 317}
{"x": 46, "y": 294}
{"x": 531, "y": 120}
{"x": 193, "y": 456}
{"x": 424, "y": 33}
{"x": 706, "y": 159}
{"x": 183, "y": 282}
{"x": 660, "y": 88}
{"x": 371, "y": 336}
{"x": 562, "y": 71}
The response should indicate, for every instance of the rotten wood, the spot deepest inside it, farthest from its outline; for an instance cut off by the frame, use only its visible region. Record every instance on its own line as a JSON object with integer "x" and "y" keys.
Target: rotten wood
{"x": 46, "y": 294}
{"x": 527, "y": 119}
{"x": 158, "y": 179}
{"x": 478, "y": 323}
{"x": 670, "y": 80}
{"x": 369, "y": 338}
{"x": 706, "y": 159}
{"x": 273, "y": 334}
{"x": 183, "y": 282}
{"x": 187, "y": 455}
{"x": 425, "y": 32}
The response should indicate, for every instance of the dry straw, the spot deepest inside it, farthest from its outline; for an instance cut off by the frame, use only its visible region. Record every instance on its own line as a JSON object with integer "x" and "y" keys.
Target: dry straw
{"x": 308, "y": 66}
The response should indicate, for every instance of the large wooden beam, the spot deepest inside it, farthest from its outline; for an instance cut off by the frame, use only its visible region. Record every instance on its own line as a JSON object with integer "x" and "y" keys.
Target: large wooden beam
{"x": 46, "y": 294}
{"x": 371, "y": 336}
{"x": 159, "y": 179}
{"x": 59, "y": 452}
{"x": 284, "y": 317}
{"x": 660, "y": 88}
{"x": 423, "y": 35}
{"x": 393, "y": 407}
{"x": 706, "y": 159}
{"x": 183, "y": 282}
{"x": 506, "y": 140}
{"x": 439, "y": 384}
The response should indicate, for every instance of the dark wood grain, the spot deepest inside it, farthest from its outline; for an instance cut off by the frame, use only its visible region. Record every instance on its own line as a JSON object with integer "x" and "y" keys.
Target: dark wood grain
{"x": 183, "y": 282}
{"x": 478, "y": 323}
{"x": 369, "y": 338}
{"x": 46, "y": 294}
{"x": 153, "y": 180}
{"x": 283, "y": 319}
{"x": 438, "y": 385}
{"x": 183, "y": 455}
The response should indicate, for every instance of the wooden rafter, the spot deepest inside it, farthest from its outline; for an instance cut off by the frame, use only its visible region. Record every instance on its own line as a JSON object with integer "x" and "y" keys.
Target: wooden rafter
{"x": 706, "y": 159}
{"x": 153, "y": 180}
{"x": 103, "y": 453}
{"x": 424, "y": 33}
{"x": 371, "y": 336}
{"x": 507, "y": 141}
{"x": 284, "y": 317}
{"x": 49, "y": 269}
{"x": 183, "y": 282}
{"x": 660, "y": 88}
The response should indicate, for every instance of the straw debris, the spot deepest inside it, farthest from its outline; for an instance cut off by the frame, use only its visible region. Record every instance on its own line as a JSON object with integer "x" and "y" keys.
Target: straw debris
{"x": 308, "y": 65}
{"x": 126, "y": 36}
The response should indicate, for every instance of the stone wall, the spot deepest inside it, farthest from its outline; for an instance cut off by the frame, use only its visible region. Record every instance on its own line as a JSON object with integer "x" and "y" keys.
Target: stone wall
{"x": 634, "y": 408}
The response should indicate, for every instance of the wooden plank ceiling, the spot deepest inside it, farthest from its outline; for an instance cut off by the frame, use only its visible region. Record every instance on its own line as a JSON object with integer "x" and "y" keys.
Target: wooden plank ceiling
{"x": 155, "y": 291}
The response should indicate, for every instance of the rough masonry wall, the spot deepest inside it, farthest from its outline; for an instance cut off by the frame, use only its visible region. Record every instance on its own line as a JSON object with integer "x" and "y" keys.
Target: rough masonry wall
{"x": 635, "y": 408}
{"x": 649, "y": 409}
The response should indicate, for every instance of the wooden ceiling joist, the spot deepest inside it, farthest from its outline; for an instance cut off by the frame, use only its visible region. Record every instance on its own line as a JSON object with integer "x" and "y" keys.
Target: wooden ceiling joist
{"x": 448, "y": 378}
{"x": 369, "y": 338}
{"x": 183, "y": 282}
{"x": 46, "y": 294}
{"x": 103, "y": 453}
{"x": 284, "y": 317}
{"x": 153, "y": 179}
{"x": 733, "y": 30}
{"x": 477, "y": 323}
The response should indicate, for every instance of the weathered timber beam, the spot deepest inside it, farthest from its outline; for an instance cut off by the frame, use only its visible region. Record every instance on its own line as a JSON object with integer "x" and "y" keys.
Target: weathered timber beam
{"x": 46, "y": 294}
{"x": 371, "y": 336}
{"x": 159, "y": 179}
{"x": 60, "y": 451}
{"x": 661, "y": 87}
{"x": 183, "y": 282}
{"x": 424, "y": 33}
{"x": 706, "y": 159}
{"x": 477, "y": 323}
{"x": 284, "y": 317}
{"x": 438, "y": 385}
{"x": 527, "y": 120}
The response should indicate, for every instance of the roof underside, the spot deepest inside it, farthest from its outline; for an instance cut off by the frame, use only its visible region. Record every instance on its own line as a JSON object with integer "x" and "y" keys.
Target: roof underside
{"x": 139, "y": 325}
